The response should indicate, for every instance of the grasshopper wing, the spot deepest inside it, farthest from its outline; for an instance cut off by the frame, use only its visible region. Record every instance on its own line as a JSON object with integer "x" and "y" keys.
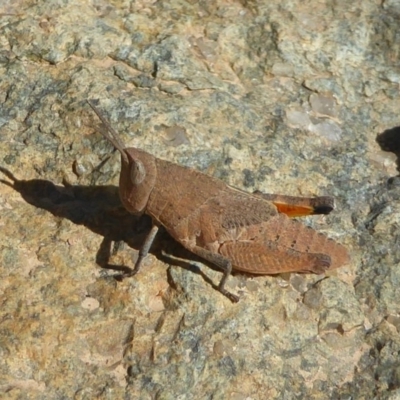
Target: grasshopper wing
{"x": 256, "y": 238}
{"x": 294, "y": 206}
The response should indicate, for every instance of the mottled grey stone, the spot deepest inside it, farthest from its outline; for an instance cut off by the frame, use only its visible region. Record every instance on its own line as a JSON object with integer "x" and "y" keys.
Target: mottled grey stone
{"x": 298, "y": 98}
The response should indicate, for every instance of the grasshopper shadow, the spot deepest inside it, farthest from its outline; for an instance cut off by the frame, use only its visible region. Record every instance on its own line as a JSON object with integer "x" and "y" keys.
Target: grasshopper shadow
{"x": 99, "y": 209}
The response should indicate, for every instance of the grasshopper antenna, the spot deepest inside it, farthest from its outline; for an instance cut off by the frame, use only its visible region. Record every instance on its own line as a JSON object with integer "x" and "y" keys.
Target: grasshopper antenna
{"x": 112, "y": 137}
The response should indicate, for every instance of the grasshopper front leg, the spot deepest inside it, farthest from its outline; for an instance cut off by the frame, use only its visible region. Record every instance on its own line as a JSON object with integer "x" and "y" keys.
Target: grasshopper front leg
{"x": 144, "y": 250}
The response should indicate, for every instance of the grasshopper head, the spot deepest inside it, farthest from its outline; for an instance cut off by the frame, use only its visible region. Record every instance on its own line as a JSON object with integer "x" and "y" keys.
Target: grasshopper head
{"x": 137, "y": 179}
{"x": 138, "y": 171}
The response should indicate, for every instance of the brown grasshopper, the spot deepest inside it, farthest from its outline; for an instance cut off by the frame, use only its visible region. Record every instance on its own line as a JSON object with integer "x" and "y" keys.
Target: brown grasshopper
{"x": 224, "y": 225}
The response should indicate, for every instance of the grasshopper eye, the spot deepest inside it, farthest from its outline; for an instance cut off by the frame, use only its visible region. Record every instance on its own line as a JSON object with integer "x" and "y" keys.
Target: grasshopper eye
{"x": 138, "y": 172}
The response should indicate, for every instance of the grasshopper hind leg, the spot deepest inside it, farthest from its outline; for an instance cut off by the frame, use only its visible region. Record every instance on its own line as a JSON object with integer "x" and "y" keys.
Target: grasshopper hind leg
{"x": 223, "y": 264}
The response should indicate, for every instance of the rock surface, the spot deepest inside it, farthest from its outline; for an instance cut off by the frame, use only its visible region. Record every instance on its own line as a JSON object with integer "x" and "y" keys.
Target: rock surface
{"x": 298, "y": 98}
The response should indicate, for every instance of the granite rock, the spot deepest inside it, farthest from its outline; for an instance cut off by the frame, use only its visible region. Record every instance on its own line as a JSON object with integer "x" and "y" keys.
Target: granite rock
{"x": 298, "y": 98}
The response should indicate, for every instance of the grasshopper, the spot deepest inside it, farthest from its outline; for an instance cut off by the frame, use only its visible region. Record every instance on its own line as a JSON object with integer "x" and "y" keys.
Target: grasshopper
{"x": 232, "y": 229}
